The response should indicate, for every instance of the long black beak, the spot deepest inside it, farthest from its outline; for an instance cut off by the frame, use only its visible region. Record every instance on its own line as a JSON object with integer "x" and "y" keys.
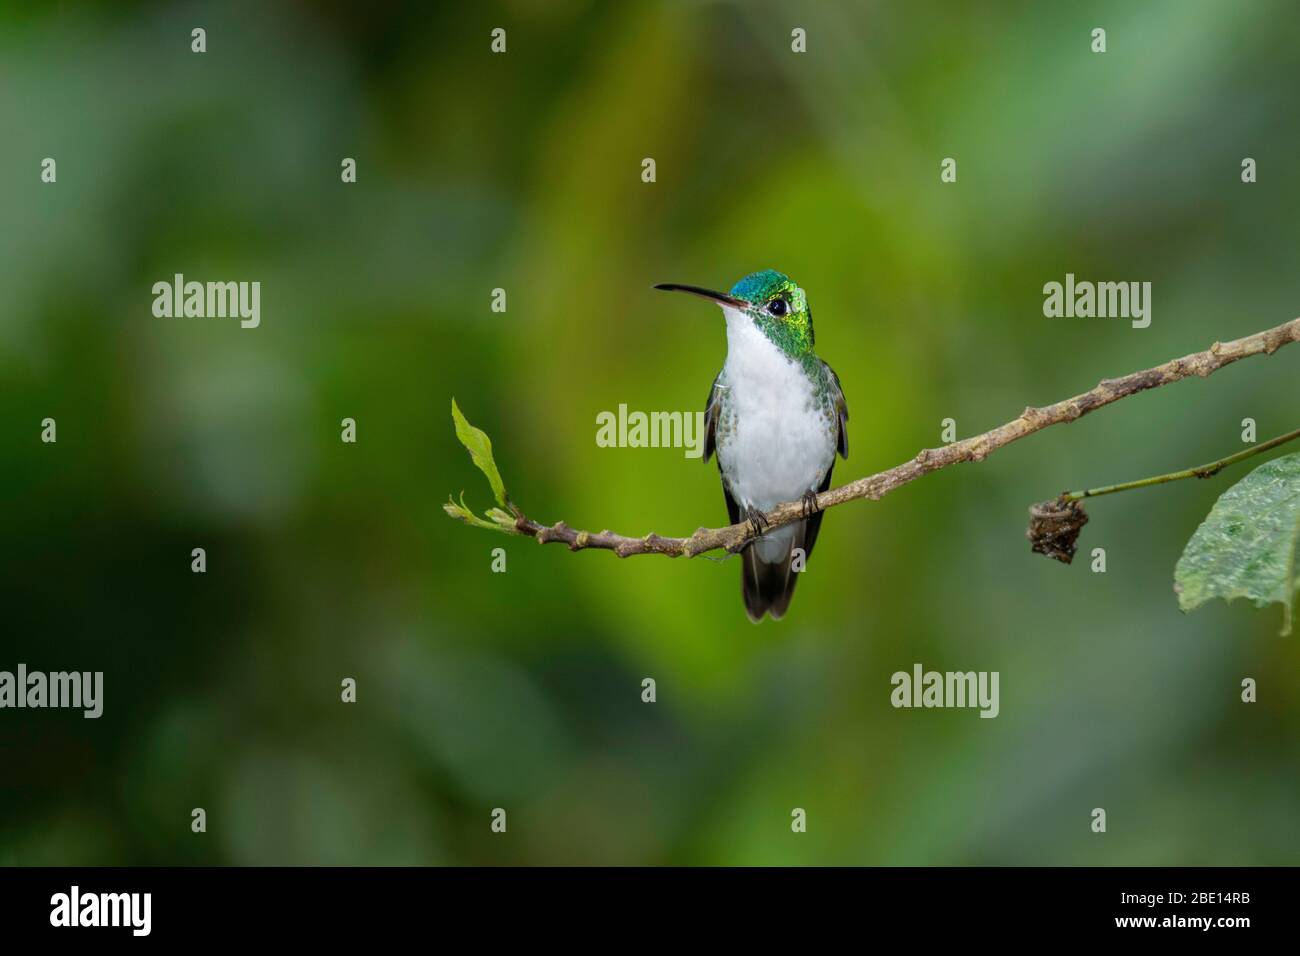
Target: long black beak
{"x": 720, "y": 297}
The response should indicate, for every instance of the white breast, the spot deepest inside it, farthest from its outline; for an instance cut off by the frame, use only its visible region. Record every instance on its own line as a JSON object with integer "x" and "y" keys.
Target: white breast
{"x": 779, "y": 440}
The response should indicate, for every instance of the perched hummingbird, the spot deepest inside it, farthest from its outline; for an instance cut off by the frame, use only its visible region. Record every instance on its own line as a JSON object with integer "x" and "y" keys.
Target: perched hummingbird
{"x": 776, "y": 416}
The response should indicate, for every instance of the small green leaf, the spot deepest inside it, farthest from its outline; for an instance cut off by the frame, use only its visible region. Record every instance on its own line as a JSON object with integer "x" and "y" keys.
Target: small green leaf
{"x": 501, "y": 521}
{"x": 1246, "y": 546}
{"x": 480, "y": 450}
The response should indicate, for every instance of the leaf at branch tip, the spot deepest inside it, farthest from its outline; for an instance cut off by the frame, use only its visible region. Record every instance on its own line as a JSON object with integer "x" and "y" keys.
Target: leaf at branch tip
{"x": 1246, "y": 546}
{"x": 480, "y": 450}
{"x": 461, "y": 512}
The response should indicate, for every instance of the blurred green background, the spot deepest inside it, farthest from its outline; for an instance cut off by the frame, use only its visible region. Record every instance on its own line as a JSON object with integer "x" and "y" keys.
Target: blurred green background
{"x": 522, "y": 171}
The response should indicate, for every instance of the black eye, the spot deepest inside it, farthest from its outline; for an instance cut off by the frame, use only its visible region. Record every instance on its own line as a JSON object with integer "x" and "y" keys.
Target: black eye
{"x": 777, "y": 307}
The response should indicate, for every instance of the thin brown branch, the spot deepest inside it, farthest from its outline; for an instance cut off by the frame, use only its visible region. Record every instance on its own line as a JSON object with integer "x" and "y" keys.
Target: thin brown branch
{"x": 734, "y": 537}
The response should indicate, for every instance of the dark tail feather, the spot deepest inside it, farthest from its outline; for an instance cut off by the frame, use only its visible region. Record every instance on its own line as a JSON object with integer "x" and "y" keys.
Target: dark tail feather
{"x": 768, "y": 587}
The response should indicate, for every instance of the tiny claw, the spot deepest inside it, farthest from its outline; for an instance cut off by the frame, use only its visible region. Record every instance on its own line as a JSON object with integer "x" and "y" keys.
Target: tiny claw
{"x": 809, "y": 501}
{"x": 757, "y": 520}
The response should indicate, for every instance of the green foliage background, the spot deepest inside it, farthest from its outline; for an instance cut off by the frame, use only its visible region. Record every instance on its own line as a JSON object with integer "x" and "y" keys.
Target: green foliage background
{"x": 521, "y": 690}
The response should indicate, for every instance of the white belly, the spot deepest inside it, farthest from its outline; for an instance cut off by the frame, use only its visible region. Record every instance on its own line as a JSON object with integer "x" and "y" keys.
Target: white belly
{"x": 776, "y": 435}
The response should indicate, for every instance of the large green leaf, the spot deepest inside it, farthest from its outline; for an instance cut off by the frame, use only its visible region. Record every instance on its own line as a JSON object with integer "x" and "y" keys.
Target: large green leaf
{"x": 1246, "y": 547}
{"x": 480, "y": 449}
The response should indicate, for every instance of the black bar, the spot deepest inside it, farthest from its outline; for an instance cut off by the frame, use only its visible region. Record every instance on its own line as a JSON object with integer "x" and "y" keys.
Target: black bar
{"x": 333, "y": 904}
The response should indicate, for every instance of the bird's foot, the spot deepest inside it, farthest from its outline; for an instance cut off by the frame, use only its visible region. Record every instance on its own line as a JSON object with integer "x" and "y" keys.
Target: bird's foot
{"x": 809, "y": 500}
{"x": 758, "y": 521}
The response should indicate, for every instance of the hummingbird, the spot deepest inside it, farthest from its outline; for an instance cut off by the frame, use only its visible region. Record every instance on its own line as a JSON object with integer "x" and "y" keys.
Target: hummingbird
{"x": 776, "y": 417}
